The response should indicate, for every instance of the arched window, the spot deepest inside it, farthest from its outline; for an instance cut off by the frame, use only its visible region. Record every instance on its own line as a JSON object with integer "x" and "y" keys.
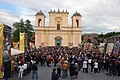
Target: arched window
{"x": 39, "y": 22}
{"x": 77, "y": 23}
{"x": 58, "y": 25}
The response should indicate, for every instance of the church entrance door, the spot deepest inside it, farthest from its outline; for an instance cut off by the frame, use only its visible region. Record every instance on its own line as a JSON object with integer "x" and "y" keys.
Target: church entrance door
{"x": 58, "y": 41}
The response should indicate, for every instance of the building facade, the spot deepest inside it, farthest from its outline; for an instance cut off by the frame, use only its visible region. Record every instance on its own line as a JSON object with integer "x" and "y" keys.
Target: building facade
{"x": 58, "y": 32}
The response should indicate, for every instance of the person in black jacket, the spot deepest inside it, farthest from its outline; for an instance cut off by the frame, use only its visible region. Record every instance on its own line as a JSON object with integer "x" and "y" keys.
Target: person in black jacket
{"x": 76, "y": 70}
{"x": 54, "y": 75}
{"x": 99, "y": 65}
{"x": 72, "y": 70}
{"x": 118, "y": 67}
{"x": 92, "y": 65}
{"x": 34, "y": 71}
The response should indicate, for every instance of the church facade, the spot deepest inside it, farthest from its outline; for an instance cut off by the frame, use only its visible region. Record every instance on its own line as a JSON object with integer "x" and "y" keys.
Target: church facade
{"x": 58, "y": 33}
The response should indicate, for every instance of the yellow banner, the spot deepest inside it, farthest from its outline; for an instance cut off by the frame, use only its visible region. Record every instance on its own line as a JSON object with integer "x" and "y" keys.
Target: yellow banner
{"x": 1, "y": 47}
{"x": 22, "y": 41}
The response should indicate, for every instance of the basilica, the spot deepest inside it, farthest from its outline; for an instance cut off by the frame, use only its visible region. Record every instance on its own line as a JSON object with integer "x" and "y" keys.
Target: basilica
{"x": 58, "y": 33}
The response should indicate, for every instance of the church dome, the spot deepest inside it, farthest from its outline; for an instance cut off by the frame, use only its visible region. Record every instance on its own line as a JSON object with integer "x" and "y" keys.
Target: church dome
{"x": 40, "y": 13}
{"x": 76, "y": 14}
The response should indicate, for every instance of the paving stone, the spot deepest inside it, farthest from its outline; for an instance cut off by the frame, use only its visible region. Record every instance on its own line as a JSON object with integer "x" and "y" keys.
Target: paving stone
{"x": 45, "y": 74}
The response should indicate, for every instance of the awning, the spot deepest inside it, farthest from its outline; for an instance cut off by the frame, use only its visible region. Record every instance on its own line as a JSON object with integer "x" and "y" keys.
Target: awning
{"x": 16, "y": 52}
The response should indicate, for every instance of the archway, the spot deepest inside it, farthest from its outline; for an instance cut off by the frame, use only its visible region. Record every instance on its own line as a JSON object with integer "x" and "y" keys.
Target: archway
{"x": 58, "y": 41}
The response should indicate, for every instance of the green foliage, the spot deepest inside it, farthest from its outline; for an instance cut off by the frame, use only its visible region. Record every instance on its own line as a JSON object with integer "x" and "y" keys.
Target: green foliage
{"x": 22, "y": 26}
{"x": 15, "y": 37}
{"x": 110, "y": 34}
{"x": 101, "y": 35}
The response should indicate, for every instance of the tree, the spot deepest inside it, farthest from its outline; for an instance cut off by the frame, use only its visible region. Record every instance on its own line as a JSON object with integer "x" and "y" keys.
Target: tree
{"x": 110, "y": 34}
{"x": 29, "y": 29}
{"x": 22, "y": 26}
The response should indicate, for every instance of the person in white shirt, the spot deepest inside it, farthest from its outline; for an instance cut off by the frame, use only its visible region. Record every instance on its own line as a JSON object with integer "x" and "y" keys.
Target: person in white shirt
{"x": 25, "y": 70}
{"x": 85, "y": 66}
{"x": 95, "y": 67}
{"x": 21, "y": 69}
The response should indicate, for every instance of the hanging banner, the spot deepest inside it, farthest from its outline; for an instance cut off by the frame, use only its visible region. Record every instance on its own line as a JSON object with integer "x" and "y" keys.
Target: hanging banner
{"x": 109, "y": 48}
{"x": 1, "y": 48}
{"x": 102, "y": 47}
{"x": 86, "y": 46}
{"x": 116, "y": 47}
{"x": 90, "y": 46}
{"x": 22, "y": 41}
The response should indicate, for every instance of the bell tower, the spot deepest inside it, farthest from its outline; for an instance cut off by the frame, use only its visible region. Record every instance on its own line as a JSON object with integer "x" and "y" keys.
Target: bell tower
{"x": 76, "y": 20}
{"x": 40, "y": 19}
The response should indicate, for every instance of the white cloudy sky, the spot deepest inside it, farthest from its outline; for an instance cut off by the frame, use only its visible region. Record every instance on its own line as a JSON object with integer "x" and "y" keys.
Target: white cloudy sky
{"x": 97, "y": 15}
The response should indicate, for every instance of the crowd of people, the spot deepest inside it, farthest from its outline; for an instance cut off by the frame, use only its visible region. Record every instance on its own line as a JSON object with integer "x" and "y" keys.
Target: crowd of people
{"x": 68, "y": 62}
